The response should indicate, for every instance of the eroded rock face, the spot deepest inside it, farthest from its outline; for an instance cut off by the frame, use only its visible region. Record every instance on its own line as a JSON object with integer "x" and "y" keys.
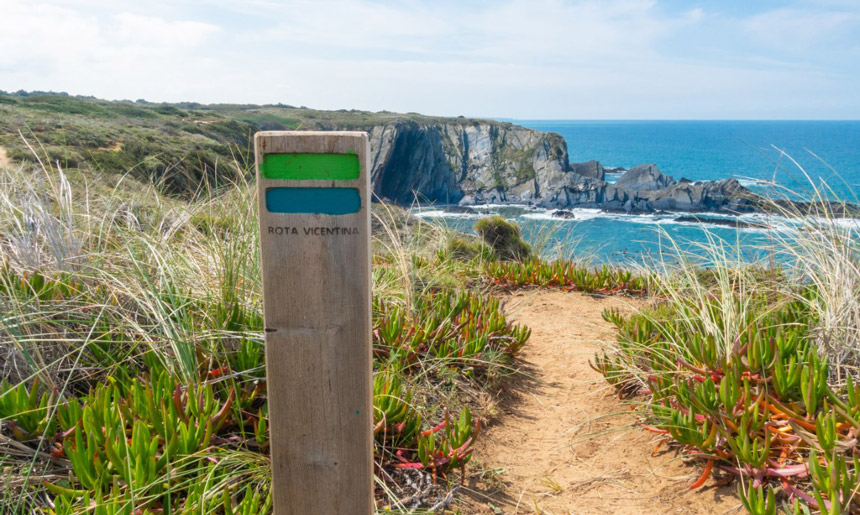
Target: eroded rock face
{"x": 464, "y": 162}
{"x": 592, "y": 169}
{"x": 726, "y": 196}
{"x": 644, "y": 178}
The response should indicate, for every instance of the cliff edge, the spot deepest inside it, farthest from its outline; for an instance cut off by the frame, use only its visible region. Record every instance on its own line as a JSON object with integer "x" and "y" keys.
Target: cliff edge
{"x": 466, "y": 163}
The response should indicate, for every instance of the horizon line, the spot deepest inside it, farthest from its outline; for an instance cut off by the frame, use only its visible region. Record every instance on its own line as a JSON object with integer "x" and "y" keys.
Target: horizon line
{"x": 508, "y": 119}
{"x": 17, "y": 93}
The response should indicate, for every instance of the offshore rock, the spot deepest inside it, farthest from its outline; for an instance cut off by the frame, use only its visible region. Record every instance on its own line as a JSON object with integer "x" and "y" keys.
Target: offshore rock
{"x": 564, "y": 214}
{"x": 724, "y": 222}
{"x": 644, "y": 178}
{"x": 719, "y": 196}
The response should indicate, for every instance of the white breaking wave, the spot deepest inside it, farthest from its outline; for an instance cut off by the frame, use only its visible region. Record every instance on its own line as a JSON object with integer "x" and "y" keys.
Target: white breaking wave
{"x": 580, "y": 214}
{"x": 767, "y": 222}
{"x": 749, "y": 183}
{"x": 793, "y": 224}
{"x": 499, "y": 206}
{"x": 586, "y": 214}
{"x": 438, "y": 213}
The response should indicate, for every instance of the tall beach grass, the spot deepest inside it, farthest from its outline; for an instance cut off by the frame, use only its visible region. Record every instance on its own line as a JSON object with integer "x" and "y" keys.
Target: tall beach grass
{"x": 751, "y": 368}
{"x": 131, "y": 350}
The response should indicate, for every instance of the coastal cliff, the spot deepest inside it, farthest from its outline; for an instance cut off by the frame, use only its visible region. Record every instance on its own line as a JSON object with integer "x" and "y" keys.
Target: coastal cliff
{"x": 464, "y": 163}
{"x": 179, "y": 146}
{"x": 480, "y": 162}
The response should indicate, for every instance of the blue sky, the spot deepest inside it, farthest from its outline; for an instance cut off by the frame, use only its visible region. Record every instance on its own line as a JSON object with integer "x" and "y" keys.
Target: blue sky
{"x": 613, "y": 59}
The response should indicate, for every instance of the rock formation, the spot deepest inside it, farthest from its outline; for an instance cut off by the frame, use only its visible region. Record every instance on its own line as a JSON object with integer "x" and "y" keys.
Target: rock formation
{"x": 592, "y": 169}
{"x": 725, "y": 222}
{"x": 565, "y": 214}
{"x": 644, "y": 178}
{"x": 649, "y": 190}
{"x": 464, "y": 162}
{"x": 470, "y": 162}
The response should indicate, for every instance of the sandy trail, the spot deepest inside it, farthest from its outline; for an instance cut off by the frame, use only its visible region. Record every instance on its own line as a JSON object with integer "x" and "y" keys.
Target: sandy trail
{"x": 564, "y": 442}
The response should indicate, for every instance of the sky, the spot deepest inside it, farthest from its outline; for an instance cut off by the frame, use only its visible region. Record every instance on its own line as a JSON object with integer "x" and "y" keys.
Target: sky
{"x": 522, "y": 59}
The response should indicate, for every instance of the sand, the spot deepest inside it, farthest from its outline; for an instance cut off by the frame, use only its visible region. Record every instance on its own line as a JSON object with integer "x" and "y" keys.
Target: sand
{"x": 563, "y": 442}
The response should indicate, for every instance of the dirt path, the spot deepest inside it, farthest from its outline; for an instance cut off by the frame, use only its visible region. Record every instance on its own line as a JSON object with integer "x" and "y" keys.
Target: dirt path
{"x": 564, "y": 442}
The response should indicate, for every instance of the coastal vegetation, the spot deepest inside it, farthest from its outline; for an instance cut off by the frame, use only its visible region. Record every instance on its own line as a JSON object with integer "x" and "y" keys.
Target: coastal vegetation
{"x": 749, "y": 369}
{"x": 566, "y": 275}
{"x": 131, "y": 332}
{"x": 504, "y": 238}
{"x": 132, "y": 351}
{"x": 753, "y": 370}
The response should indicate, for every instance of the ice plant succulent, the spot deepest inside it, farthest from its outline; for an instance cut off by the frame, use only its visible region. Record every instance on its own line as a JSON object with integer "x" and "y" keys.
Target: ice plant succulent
{"x": 566, "y": 275}
{"x": 759, "y": 408}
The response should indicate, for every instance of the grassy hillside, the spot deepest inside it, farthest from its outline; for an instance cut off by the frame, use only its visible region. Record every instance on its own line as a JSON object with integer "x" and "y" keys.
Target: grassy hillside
{"x": 172, "y": 145}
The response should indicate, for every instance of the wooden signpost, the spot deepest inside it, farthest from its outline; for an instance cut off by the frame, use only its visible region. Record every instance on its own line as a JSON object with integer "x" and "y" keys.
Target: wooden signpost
{"x": 315, "y": 247}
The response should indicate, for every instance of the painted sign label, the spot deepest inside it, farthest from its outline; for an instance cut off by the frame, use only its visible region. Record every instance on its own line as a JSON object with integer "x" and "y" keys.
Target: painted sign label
{"x": 305, "y": 166}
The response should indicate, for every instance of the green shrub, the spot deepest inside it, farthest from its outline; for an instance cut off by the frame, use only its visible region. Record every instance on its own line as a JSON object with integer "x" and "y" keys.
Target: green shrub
{"x": 169, "y": 110}
{"x": 504, "y": 238}
{"x": 460, "y": 247}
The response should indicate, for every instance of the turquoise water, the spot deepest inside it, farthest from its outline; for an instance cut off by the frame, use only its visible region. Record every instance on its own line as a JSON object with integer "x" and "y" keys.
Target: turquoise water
{"x": 751, "y": 151}
{"x": 706, "y": 150}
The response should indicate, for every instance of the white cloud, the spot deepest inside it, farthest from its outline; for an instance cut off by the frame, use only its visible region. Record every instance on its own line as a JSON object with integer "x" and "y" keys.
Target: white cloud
{"x": 137, "y": 30}
{"x": 36, "y": 34}
{"x": 800, "y": 30}
{"x": 501, "y": 30}
{"x": 695, "y": 15}
{"x": 519, "y": 58}
{"x": 121, "y": 55}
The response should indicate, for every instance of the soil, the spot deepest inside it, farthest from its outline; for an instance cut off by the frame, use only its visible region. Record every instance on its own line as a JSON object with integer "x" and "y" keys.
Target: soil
{"x": 4, "y": 158}
{"x": 564, "y": 443}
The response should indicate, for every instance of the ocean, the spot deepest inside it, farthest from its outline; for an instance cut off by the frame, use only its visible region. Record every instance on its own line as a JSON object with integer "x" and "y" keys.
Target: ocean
{"x": 755, "y": 152}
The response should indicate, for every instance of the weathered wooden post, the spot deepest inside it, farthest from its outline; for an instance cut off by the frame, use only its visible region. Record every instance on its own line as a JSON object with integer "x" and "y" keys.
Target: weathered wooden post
{"x": 315, "y": 248}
